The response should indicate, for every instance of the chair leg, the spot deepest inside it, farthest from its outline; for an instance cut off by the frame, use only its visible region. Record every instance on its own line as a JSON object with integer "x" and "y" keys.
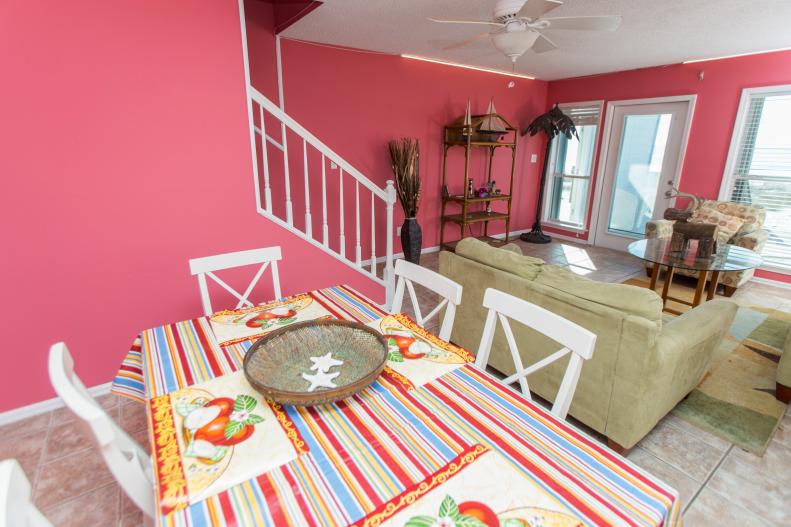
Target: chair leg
{"x": 617, "y": 448}
{"x": 783, "y": 393}
{"x": 729, "y": 290}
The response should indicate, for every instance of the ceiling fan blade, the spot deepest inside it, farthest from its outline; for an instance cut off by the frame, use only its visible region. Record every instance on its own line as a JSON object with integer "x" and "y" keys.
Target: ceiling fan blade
{"x": 537, "y": 8}
{"x": 484, "y": 22}
{"x": 467, "y": 42}
{"x": 543, "y": 44}
{"x": 585, "y": 23}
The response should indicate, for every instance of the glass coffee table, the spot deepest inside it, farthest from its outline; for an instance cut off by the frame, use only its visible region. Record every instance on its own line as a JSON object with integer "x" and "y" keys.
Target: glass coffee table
{"x": 728, "y": 258}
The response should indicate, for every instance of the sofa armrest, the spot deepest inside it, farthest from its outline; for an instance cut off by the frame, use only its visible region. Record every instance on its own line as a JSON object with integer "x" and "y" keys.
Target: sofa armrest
{"x": 659, "y": 229}
{"x": 754, "y": 241}
{"x": 686, "y": 345}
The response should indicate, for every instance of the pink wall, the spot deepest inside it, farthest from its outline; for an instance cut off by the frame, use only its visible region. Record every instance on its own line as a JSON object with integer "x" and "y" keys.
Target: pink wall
{"x": 124, "y": 152}
{"x": 357, "y": 101}
{"x": 715, "y": 109}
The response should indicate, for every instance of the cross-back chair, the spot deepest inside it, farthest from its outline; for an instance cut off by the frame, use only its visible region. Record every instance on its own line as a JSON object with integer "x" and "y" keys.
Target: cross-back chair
{"x": 127, "y": 461}
{"x": 206, "y": 266}
{"x": 16, "y": 507}
{"x": 577, "y": 341}
{"x": 409, "y": 273}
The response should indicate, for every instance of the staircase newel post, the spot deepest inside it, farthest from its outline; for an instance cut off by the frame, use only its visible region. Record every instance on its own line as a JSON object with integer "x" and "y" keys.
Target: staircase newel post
{"x": 389, "y": 270}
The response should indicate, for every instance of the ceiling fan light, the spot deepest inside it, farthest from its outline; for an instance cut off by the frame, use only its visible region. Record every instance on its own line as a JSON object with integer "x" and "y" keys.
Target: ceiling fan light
{"x": 514, "y": 44}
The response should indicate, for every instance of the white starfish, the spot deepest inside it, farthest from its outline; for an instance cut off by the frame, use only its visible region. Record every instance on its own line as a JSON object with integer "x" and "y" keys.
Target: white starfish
{"x": 324, "y": 363}
{"x": 320, "y": 380}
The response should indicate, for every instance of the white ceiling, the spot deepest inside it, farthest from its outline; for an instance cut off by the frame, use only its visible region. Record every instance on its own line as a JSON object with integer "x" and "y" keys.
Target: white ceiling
{"x": 654, "y": 32}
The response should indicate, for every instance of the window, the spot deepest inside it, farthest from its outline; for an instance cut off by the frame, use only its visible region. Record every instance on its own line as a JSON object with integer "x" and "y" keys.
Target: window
{"x": 759, "y": 166}
{"x": 569, "y": 177}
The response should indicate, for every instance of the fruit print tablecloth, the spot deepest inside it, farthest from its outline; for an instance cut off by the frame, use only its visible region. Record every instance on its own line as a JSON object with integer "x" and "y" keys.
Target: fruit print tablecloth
{"x": 362, "y": 453}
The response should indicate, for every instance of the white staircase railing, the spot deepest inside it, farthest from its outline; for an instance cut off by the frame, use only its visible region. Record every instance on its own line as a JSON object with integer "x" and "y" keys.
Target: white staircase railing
{"x": 382, "y": 199}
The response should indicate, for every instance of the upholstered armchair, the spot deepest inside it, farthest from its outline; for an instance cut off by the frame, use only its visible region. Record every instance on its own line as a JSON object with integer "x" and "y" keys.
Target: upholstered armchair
{"x": 750, "y": 236}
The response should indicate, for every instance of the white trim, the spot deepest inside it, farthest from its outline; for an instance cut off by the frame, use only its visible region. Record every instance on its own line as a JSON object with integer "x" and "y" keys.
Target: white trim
{"x": 594, "y": 160}
{"x": 247, "y": 101}
{"x": 605, "y": 145}
{"x": 769, "y": 281}
{"x": 279, "y": 58}
{"x": 31, "y": 410}
{"x": 726, "y": 184}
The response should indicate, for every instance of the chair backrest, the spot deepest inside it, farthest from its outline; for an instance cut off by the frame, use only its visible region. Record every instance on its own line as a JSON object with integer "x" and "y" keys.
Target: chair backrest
{"x": 129, "y": 464}
{"x": 577, "y": 341}
{"x": 16, "y": 508}
{"x": 206, "y": 266}
{"x": 409, "y": 273}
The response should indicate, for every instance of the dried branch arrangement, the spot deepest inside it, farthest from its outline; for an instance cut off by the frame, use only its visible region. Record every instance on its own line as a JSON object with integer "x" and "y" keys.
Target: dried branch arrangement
{"x": 405, "y": 154}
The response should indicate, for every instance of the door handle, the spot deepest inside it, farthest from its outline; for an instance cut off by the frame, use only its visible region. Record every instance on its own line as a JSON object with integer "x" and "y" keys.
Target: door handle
{"x": 668, "y": 194}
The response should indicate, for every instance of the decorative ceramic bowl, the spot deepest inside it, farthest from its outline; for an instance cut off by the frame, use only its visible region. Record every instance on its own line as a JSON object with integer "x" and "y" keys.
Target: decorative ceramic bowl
{"x": 275, "y": 364}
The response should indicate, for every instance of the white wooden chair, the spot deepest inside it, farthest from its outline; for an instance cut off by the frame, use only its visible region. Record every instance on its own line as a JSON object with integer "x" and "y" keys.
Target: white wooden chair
{"x": 206, "y": 266}
{"x": 16, "y": 507}
{"x": 577, "y": 341}
{"x": 127, "y": 461}
{"x": 450, "y": 291}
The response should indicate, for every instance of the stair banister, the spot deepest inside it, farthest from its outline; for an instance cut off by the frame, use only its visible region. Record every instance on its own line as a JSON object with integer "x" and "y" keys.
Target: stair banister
{"x": 387, "y": 195}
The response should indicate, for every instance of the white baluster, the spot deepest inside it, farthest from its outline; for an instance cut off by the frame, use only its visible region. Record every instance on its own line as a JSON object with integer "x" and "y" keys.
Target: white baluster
{"x": 289, "y": 210}
{"x": 388, "y": 274}
{"x": 265, "y": 163}
{"x": 358, "y": 253}
{"x": 342, "y": 213}
{"x": 324, "y": 229}
{"x": 373, "y": 237}
{"x": 308, "y": 218}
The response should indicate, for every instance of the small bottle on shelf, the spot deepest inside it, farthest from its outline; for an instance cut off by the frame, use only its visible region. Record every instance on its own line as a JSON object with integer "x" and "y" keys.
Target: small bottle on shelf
{"x": 470, "y": 189}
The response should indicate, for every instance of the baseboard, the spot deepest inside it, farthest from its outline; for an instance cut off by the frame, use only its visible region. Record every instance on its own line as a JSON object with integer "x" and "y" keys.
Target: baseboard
{"x": 769, "y": 281}
{"x": 23, "y": 412}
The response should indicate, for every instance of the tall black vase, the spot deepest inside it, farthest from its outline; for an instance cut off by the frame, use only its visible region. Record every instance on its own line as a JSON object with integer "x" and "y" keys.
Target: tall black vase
{"x": 411, "y": 240}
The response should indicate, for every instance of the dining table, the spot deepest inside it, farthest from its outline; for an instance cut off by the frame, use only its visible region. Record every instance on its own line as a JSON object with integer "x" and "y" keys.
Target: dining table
{"x": 433, "y": 441}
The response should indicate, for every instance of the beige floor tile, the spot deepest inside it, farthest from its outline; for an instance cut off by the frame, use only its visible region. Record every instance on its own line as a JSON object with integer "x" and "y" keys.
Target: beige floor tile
{"x": 682, "y": 450}
{"x": 130, "y": 514}
{"x": 774, "y": 464}
{"x": 26, "y": 445}
{"x": 109, "y": 402}
{"x": 783, "y": 432}
{"x": 750, "y": 483}
{"x": 65, "y": 439}
{"x": 132, "y": 417}
{"x": 35, "y": 423}
{"x": 717, "y": 442}
{"x": 98, "y": 507}
{"x": 710, "y": 509}
{"x": 685, "y": 485}
{"x": 71, "y": 477}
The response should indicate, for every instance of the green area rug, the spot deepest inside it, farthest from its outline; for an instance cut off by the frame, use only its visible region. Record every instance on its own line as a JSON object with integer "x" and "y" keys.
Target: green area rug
{"x": 735, "y": 400}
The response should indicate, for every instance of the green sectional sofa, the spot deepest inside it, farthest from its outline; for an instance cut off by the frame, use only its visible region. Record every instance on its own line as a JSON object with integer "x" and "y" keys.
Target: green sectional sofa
{"x": 641, "y": 367}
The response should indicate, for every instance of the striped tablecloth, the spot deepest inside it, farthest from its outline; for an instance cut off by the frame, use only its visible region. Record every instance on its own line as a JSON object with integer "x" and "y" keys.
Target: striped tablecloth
{"x": 373, "y": 458}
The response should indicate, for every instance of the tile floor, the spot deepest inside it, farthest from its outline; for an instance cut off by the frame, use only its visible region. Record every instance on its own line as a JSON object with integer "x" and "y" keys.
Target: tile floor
{"x": 720, "y": 484}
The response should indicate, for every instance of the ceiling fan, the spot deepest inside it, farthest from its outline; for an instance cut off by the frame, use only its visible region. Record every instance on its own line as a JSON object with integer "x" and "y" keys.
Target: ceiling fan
{"x": 519, "y": 23}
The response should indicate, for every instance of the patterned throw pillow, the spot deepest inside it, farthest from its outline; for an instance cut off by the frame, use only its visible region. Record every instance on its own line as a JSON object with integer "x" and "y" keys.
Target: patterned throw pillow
{"x": 729, "y": 225}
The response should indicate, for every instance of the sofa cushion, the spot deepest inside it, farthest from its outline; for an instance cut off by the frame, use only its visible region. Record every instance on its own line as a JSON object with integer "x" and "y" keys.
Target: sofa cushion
{"x": 502, "y": 259}
{"x": 626, "y": 298}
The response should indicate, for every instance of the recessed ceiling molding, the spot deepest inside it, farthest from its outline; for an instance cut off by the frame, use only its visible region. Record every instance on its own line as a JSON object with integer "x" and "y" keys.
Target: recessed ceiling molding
{"x": 468, "y": 67}
{"x": 736, "y": 55}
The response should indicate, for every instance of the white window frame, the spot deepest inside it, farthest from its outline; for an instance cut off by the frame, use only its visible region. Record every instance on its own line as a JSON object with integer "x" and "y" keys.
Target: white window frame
{"x": 728, "y": 177}
{"x": 546, "y": 206}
